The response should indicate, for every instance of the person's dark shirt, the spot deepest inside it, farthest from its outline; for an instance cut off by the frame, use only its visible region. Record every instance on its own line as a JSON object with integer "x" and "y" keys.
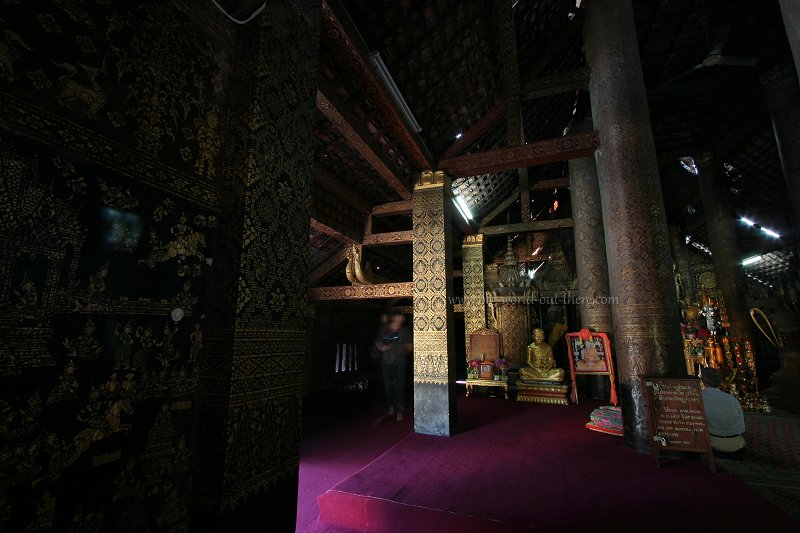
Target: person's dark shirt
{"x": 395, "y": 342}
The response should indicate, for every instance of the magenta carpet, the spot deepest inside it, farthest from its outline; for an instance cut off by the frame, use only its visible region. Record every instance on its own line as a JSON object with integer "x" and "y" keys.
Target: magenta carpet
{"x": 518, "y": 467}
{"x": 334, "y": 454}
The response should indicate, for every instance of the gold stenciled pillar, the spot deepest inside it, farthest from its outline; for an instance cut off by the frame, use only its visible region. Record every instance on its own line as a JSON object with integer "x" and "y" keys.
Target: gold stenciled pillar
{"x": 474, "y": 286}
{"x": 434, "y": 365}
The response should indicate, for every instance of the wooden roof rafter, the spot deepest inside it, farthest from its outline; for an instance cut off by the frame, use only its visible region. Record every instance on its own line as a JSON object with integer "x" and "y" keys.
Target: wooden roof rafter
{"x": 515, "y": 135}
{"x": 331, "y": 183}
{"x": 345, "y": 43}
{"x": 359, "y": 139}
{"x": 532, "y": 154}
{"x": 535, "y": 86}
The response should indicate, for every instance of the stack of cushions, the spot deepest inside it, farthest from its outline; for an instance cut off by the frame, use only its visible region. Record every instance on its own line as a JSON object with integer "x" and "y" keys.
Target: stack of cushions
{"x": 606, "y": 419}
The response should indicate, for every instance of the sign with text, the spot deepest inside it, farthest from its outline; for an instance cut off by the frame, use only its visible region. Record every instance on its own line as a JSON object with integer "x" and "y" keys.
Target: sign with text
{"x": 676, "y": 417}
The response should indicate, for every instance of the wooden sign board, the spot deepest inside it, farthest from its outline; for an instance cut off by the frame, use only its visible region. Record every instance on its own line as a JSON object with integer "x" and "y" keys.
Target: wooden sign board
{"x": 676, "y": 416}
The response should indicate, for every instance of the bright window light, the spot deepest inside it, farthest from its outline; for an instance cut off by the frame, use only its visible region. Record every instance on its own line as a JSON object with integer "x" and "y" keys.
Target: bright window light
{"x": 747, "y": 221}
{"x": 459, "y": 135}
{"x": 751, "y": 260}
{"x": 771, "y": 233}
{"x": 463, "y": 207}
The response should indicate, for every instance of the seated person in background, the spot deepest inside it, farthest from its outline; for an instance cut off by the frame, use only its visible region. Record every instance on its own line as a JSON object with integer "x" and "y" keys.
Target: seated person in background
{"x": 723, "y": 414}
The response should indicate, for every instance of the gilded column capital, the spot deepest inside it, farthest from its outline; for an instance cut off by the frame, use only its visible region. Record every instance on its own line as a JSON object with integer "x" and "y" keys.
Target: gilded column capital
{"x": 431, "y": 178}
{"x": 473, "y": 240}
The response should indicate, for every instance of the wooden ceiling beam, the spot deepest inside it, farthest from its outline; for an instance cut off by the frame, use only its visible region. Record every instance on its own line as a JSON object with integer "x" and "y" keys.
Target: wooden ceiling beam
{"x": 339, "y": 34}
{"x": 556, "y": 84}
{"x": 515, "y": 132}
{"x": 359, "y": 139}
{"x": 502, "y": 206}
{"x": 527, "y": 227}
{"x": 492, "y": 118}
{"x": 548, "y": 185}
{"x": 321, "y": 227}
{"x": 363, "y": 292}
{"x": 403, "y": 207}
{"x": 330, "y": 183}
{"x": 334, "y": 261}
{"x": 388, "y": 238}
{"x": 533, "y": 154}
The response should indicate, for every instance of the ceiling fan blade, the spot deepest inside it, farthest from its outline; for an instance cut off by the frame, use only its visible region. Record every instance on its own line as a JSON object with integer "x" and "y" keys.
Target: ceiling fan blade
{"x": 735, "y": 61}
{"x": 683, "y": 75}
{"x": 720, "y": 39}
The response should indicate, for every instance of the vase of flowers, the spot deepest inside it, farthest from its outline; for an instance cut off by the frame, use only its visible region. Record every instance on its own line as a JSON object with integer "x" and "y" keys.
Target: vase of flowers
{"x": 502, "y": 365}
{"x": 472, "y": 372}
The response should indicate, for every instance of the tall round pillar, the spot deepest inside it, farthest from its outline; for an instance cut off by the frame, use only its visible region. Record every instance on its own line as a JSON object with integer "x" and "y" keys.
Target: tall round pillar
{"x": 791, "y": 20}
{"x": 721, "y": 226}
{"x": 646, "y": 332}
{"x": 590, "y": 256}
{"x": 683, "y": 265}
{"x": 782, "y": 97}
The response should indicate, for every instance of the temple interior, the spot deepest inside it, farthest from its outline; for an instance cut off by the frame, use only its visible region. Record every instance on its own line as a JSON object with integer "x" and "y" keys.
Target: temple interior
{"x": 399, "y": 265}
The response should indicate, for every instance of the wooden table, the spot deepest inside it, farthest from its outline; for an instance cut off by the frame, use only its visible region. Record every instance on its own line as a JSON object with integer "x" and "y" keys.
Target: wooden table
{"x": 487, "y": 383}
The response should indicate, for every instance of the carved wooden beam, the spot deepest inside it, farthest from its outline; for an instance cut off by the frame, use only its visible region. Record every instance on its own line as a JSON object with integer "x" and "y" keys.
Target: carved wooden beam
{"x": 388, "y": 238}
{"x": 358, "y": 139}
{"x": 330, "y": 183}
{"x": 488, "y": 121}
{"x": 498, "y": 113}
{"x": 316, "y": 225}
{"x": 527, "y": 227}
{"x": 556, "y": 84}
{"x": 533, "y": 154}
{"x": 342, "y": 39}
{"x": 336, "y": 259}
{"x": 403, "y": 207}
{"x": 548, "y": 185}
{"x": 363, "y": 292}
{"x": 515, "y": 134}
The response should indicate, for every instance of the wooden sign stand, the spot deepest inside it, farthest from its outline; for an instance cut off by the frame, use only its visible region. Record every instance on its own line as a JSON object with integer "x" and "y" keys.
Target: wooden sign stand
{"x": 676, "y": 417}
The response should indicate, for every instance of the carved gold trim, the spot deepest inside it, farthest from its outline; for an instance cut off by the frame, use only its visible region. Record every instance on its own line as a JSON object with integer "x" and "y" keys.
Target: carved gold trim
{"x": 473, "y": 240}
{"x": 363, "y": 292}
{"x": 428, "y": 179}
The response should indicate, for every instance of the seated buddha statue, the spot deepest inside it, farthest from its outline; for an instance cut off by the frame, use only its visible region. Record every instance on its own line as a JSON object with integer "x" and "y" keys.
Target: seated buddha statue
{"x": 541, "y": 364}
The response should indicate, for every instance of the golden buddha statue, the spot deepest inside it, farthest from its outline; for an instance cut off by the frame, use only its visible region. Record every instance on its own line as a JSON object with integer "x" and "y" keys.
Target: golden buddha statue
{"x": 541, "y": 363}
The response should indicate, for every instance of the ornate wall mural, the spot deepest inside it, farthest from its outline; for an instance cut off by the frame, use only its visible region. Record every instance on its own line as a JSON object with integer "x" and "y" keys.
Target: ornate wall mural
{"x": 110, "y": 121}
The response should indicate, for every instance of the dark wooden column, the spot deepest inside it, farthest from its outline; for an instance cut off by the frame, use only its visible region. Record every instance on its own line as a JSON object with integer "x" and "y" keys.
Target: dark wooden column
{"x": 246, "y": 451}
{"x": 646, "y": 333}
{"x": 782, "y": 96}
{"x": 590, "y": 246}
{"x": 434, "y": 364}
{"x": 791, "y": 20}
{"x": 724, "y": 242}
{"x": 590, "y": 254}
{"x": 683, "y": 263}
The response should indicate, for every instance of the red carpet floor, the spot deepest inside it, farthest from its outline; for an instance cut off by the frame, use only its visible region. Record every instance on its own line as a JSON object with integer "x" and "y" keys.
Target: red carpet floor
{"x": 516, "y": 467}
{"x": 334, "y": 454}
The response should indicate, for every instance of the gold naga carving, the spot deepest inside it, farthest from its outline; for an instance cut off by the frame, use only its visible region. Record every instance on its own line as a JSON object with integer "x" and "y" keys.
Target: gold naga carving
{"x": 359, "y": 274}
